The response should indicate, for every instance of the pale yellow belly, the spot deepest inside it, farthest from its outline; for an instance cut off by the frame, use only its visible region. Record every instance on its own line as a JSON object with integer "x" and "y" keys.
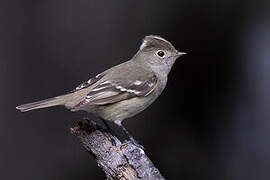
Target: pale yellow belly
{"x": 124, "y": 109}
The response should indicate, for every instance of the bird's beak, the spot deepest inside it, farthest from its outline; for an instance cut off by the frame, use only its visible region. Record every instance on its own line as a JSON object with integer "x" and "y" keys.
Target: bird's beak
{"x": 178, "y": 54}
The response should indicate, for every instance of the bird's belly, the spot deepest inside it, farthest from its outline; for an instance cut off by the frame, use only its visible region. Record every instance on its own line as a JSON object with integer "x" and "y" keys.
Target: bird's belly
{"x": 124, "y": 109}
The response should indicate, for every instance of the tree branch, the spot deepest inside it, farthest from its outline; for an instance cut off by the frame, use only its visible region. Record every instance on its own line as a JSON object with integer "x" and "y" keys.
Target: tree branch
{"x": 119, "y": 160}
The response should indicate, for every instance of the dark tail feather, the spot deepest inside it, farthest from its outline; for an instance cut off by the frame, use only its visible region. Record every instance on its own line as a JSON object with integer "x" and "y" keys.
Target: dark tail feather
{"x": 55, "y": 101}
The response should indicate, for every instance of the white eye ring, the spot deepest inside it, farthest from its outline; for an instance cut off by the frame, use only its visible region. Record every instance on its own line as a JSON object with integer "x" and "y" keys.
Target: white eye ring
{"x": 161, "y": 53}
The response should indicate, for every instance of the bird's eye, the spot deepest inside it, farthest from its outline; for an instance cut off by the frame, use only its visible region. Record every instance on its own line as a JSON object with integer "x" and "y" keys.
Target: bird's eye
{"x": 160, "y": 53}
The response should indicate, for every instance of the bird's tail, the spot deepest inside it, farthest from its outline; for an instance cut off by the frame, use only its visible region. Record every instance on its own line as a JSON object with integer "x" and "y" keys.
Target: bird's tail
{"x": 55, "y": 101}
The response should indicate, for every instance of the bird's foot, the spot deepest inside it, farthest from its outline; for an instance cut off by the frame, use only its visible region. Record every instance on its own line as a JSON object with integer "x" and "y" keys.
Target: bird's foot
{"x": 90, "y": 122}
{"x": 87, "y": 120}
{"x": 113, "y": 142}
{"x": 110, "y": 130}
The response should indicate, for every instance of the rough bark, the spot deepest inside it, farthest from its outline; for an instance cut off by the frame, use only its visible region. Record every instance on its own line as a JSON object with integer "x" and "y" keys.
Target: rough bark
{"x": 117, "y": 160}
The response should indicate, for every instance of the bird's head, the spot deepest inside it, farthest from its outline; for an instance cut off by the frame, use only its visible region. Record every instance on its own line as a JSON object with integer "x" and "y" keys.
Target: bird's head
{"x": 158, "y": 53}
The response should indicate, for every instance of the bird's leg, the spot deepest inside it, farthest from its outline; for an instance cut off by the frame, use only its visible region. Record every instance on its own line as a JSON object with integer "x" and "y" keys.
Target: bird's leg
{"x": 110, "y": 130}
{"x": 92, "y": 123}
{"x": 130, "y": 137}
{"x": 132, "y": 140}
{"x": 87, "y": 120}
{"x": 107, "y": 126}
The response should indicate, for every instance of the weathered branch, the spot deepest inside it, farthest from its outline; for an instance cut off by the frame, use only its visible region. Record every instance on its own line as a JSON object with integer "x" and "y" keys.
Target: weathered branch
{"x": 119, "y": 160}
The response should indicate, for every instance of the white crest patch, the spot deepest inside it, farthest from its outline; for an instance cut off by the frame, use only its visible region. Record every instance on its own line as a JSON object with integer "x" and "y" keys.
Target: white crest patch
{"x": 143, "y": 44}
{"x": 158, "y": 37}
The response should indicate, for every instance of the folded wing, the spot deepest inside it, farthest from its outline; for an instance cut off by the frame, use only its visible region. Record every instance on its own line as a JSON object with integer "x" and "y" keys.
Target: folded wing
{"x": 112, "y": 91}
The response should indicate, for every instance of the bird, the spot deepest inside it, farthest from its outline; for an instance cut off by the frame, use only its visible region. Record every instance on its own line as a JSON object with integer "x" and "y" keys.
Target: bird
{"x": 123, "y": 90}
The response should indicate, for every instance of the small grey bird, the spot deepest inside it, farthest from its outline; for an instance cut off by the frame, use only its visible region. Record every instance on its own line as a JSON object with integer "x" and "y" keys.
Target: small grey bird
{"x": 123, "y": 90}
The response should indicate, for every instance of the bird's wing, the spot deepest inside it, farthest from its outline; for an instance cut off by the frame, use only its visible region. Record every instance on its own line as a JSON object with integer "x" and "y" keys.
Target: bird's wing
{"x": 114, "y": 90}
{"x": 89, "y": 82}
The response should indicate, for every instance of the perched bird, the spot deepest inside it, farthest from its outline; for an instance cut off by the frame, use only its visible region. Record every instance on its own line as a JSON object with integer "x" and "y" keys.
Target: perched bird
{"x": 123, "y": 90}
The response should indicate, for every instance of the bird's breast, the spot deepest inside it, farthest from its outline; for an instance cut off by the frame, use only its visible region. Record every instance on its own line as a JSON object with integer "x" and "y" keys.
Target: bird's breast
{"x": 125, "y": 109}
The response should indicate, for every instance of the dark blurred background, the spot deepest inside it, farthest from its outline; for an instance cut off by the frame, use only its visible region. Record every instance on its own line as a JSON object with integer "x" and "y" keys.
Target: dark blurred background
{"x": 211, "y": 122}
